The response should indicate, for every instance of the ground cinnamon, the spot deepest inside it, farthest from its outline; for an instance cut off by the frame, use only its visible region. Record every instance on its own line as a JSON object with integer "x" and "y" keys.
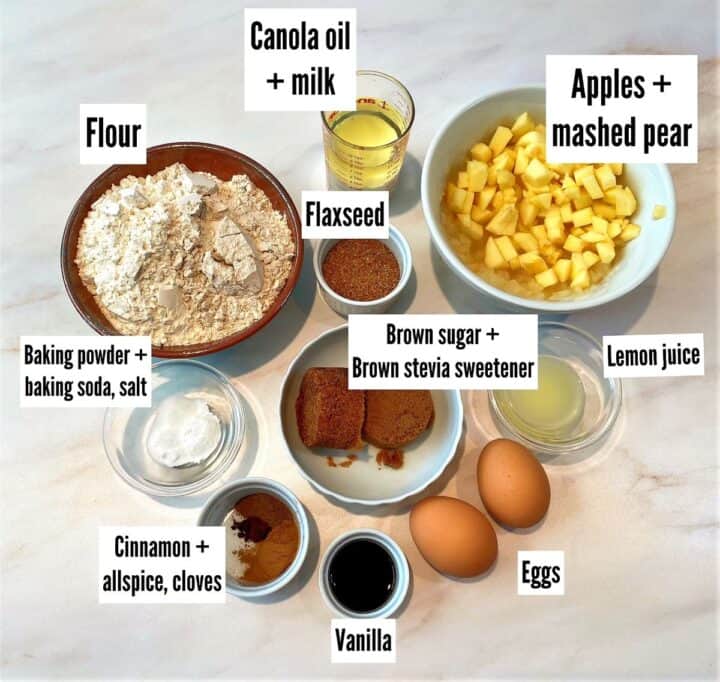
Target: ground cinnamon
{"x": 269, "y": 537}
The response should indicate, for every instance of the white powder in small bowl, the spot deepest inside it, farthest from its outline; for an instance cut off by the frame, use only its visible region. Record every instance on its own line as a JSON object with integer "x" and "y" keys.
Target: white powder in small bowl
{"x": 185, "y": 431}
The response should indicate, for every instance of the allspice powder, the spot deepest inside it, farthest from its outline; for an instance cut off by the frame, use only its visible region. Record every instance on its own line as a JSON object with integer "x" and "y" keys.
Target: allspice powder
{"x": 361, "y": 269}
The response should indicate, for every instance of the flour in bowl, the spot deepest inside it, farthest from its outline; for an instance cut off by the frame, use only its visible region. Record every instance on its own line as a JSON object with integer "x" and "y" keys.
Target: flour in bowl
{"x": 184, "y": 257}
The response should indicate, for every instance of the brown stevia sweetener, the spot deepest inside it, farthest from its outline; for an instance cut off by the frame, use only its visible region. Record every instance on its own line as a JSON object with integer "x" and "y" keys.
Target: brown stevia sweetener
{"x": 361, "y": 269}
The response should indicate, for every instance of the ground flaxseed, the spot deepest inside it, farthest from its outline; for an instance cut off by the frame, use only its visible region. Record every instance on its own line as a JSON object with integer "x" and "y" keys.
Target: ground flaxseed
{"x": 361, "y": 269}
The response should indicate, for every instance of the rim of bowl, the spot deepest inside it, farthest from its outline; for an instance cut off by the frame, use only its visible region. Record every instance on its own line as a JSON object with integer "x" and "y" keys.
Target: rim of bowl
{"x": 574, "y": 444}
{"x": 393, "y": 234}
{"x": 239, "y": 419}
{"x": 280, "y": 490}
{"x": 67, "y": 259}
{"x": 478, "y": 283}
{"x": 455, "y": 398}
{"x": 405, "y": 133}
{"x": 400, "y": 562}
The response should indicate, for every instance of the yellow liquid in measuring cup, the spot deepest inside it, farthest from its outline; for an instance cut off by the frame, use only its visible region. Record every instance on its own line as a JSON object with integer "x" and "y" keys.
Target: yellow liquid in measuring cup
{"x": 555, "y": 409}
{"x": 373, "y": 155}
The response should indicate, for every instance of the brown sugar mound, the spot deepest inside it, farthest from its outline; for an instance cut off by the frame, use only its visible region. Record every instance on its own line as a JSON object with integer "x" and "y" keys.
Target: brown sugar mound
{"x": 328, "y": 413}
{"x": 395, "y": 418}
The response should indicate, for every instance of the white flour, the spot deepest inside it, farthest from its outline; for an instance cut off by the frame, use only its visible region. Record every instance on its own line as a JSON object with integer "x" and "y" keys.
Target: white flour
{"x": 184, "y": 257}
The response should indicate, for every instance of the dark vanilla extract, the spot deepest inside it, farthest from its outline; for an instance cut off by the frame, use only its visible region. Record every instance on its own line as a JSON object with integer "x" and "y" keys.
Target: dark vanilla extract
{"x": 361, "y": 575}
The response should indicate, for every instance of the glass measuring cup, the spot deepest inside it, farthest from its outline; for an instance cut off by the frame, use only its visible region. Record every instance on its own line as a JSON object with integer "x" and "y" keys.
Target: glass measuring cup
{"x": 365, "y": 149}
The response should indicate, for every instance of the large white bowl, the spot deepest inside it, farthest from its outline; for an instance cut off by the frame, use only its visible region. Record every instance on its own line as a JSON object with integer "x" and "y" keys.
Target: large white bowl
{"x": 476, "y": 121}
{"x": 363, "y": 482}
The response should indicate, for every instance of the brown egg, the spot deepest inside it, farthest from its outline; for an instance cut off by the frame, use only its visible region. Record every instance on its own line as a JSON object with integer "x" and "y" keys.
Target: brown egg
{"x": 513, "y": 485}
{"x": 454, "y": 537}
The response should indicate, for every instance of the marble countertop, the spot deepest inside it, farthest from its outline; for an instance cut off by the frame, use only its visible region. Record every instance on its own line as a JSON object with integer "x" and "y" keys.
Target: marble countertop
{"x": 638, "y": 521}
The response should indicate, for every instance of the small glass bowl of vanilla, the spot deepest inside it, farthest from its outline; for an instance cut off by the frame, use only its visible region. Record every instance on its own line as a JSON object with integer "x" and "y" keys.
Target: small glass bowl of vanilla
{"x": 574, "y": 406}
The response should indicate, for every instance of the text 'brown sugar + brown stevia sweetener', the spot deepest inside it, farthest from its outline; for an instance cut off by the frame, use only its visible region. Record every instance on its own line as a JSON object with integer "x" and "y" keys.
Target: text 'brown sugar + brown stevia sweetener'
{"x": 361, "y": 269}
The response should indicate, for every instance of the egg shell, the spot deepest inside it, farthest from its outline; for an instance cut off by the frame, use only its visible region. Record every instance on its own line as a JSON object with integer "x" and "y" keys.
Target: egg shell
{"x": 512, "y": 483}
{"x": 454, "y": 537}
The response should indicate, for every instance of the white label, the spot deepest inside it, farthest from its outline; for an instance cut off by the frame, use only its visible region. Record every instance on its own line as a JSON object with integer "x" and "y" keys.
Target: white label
{"x": 113, "y": 133}
{"x": 621, "y": 108}
{"x": 541, "y": 573}
{"x": 654, "y": 355}
{"x": 85, "y": 371}
{"x": 161, "y": 565}
{"x": 442, "y": 351}
{"x": 362, "y": 640}
{"x": 300, "y": 59}
{"x": 345, "y": 215}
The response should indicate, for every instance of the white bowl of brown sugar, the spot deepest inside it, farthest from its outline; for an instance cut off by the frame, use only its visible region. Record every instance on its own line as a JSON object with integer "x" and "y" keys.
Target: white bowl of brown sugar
{"x": 362, "y": 275}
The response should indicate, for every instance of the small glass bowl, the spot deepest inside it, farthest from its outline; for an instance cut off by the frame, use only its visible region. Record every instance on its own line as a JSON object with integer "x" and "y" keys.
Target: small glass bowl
{"x": 125, "y": 430}
{"x": 603, "y": 396}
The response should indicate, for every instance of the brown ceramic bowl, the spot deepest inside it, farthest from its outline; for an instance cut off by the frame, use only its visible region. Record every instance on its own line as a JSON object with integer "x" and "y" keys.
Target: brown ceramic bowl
{"x": 197, "y": 156}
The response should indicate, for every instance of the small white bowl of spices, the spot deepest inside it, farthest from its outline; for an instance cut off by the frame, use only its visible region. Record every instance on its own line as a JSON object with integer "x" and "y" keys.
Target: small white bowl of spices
{"x": 362, "y": 275}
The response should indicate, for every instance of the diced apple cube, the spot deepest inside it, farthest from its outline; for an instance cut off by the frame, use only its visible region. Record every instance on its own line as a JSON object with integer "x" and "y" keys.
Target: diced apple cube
{"x": 505, "y": 178}
{"x": 547, "y": 278}
{"x": 525, "y": 241}
{"x": 468, "y": 202}
{"x": 521, "y": 161}
{"x": 566, "y": 213}
{"x": 559, "y": 196}
{"x": 604, "y": 210}
{"x": 590, "y": 258}
{"x": 592, "y": 237}
{"x": 625, "y": 202}
{"x": 582, "y": 217}
{"x": 540, "y": 233}
{"x": 504, "y": 221}
{"x": 477, "y": 172}
{"x": 630, "y": 232}
{"x": 532, "y": 137}
{"x": 599, "y": 224}
{"x": 486, "y": 195}
{"x": 556, "y": 233}
{"x": 582, "y": 172}
{"x": 562, "y": 269}
{"x": 470, "y": 227}
{"x": 528, "y": 212}
{"x": 481, "y": 215}
{"x": 583, "y": 200}
{"x": 537, "y": 174}
{"x": 493, "y": 257}
{"x": 455, "y": 197}
{"x": 606, "y": 251}
{"x": 593, "y": 188}
{"x": 500, "y": 139}
{"x": 523, "y": 124}
{"x": 481, "y": 152}
{"x": 503, "y": 161}
{"x": 506, "y": 247}
{"x": 492, "y": 176}
{"x": 532, "y": 263}
{"x": 582, "y": 281}
{"x": 605, "y": 177}
{"x": 573, "y": 244}
{"x": 659, "y": 211}
{"x": 543, "y": 200}
{"x": 578, "y": 264}
{"x": 614, "y": 229}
